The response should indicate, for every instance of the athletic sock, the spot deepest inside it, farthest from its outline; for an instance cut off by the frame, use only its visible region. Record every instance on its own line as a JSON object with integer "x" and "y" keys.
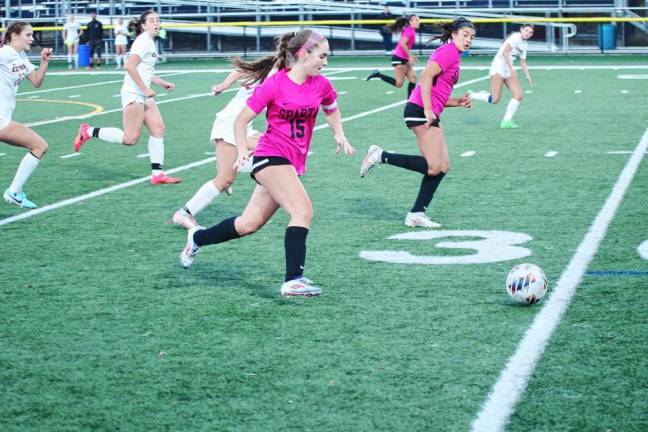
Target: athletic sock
{"x": 203, "y": 197}
{"x": 156, "y": 154}
{"x": 25, "y": 169}
{"x": 111, "y": 135}
{"x": 429, "y": 185}
{"x": 388, "y": 79}
{"x": 409, "y": 162}
{"x": 410, "y": 88}
{"x": 295, "y": 244}
{"x": 510, "y": 109}
{"x": 220, "y": 233}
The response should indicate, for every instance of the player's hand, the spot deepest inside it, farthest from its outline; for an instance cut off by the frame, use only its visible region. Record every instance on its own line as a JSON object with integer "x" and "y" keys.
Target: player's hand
{"x": 430, "y": 116}
{"x": 413, "y": 59}
{"x": 242, "y": 159}
{"x": 343, "y": 143}
{"x": 149, "y": 93}
{"x": 218, "y": 89}
{"x": 529, "y": 80}
{"x": 169, "y": 86}
{"x": 46, "y": 53}
{"x": 465, "y": 101}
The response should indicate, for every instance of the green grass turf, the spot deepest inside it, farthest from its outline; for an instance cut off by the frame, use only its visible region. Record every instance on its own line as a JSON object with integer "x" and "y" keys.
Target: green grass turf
{"x": 101, "y": 329}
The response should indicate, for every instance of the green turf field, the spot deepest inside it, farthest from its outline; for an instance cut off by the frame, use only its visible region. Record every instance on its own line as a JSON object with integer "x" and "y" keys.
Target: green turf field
{"x": 101, "y": 329}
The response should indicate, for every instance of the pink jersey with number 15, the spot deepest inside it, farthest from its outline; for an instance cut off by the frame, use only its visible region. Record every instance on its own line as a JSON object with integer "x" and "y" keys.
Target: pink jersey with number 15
{"x": 292, "y": 109}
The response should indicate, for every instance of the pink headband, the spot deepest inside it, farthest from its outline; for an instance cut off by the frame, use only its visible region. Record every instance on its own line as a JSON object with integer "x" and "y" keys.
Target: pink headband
{"x": 313, "y": 40}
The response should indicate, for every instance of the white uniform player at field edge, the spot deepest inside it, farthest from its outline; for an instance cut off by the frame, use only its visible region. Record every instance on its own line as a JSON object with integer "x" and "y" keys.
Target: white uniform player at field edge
{"x": 121, "y": 41}
{"x": 502, "y": 72}
{"x": 14, "y": 67}
{"x": 71, "y": 33}
{"x": 139, "y": 107}
{"x": 222, "y": 135}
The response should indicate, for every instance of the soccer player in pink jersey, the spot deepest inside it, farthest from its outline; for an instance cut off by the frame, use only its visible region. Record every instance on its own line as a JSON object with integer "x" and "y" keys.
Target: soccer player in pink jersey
{"x": 402, "y": 60}
{"x": 422, "y": 115}
{"x": 292, "y": 97}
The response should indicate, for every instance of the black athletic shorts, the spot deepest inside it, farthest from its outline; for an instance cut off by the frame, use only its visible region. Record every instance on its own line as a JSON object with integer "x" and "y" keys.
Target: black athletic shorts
{"x": 260, "y": 162}
{"x": 399, "y": 61}
{"x": 415, "y": 116}
{"x": 96, "y": 47}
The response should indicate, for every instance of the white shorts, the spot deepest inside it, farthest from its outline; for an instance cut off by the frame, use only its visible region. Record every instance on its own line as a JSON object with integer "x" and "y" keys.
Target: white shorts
{"x": 499, "y": 69}
{"x": 224, "y": 130}
{"x": 72, "y": 42}
{"x": 128, "y": 98}
{"x": 121, "y": 40}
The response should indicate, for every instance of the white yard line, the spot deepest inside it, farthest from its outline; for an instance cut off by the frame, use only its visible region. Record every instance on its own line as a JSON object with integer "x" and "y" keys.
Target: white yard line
{"x": 551, "y": 154}
{"x": 70, "y": 155}
{"x": 104, "y": 191}
{"x": 514, "y": 378}
{"x": 470, "y": 153}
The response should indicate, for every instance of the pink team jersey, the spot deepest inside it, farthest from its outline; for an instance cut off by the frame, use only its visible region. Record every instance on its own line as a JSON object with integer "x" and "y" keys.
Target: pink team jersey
{"x": 292, "y": 109}
{"x": 448, "y": 58}
{"x": 409, "y": 33}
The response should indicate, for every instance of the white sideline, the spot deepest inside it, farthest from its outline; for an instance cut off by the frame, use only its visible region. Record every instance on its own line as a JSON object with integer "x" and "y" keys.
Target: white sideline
{"x": 104, "y": 191}
{"x": 515, "y": 376}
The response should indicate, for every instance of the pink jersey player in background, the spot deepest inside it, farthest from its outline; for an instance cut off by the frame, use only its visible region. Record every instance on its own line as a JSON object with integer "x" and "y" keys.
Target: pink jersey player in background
{"x": 293, "y": 97}
{"x": 403, "y": 60}
{"x": 422, "y": 115}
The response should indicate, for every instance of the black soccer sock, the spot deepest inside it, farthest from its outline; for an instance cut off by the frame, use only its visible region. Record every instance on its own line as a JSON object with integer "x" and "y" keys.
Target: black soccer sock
{"x": 156, "y": 166}
{"x": 409, "y": 162}
{"x": 220, "y": 233}
{"x": 410, "y": 88}
{"x": 429, "y": 185}
{"x": 295, "y": 244}
{"x": 388, "y": 79}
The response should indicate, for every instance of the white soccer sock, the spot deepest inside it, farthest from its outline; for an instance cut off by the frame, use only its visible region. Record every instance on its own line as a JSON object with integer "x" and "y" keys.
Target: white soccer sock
{"x": 69, "y": 58}
{"x": 510, "y": 109}
{"x": 76, "y": 61}
{"x": 119, "y": 60}
{"x": 483, "y": 96}
{"x": 205, "y": 195}
{"x": 25, "y": 169}
{"x": 111, "y": 135}
{"x": 156, "y": 152}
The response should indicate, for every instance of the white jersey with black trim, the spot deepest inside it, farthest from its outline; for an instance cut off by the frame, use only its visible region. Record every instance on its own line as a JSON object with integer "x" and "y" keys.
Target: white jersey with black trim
{"x": 14, "y": 67}
{"x": 518, "y": 49}
{"x": 144, "y": 47}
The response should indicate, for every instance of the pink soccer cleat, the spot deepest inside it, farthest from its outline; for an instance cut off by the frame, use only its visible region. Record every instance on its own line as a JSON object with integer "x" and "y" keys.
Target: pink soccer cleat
{"x": 82, "y": 136}
{"x": 163, "y": 179}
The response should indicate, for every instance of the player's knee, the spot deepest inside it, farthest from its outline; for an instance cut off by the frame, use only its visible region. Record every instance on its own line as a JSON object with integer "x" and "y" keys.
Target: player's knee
{"x": 495, "y": 99}
{"x": 130, "y": 139}
{"x": 247, "y": 226}
{"x": 518, "y": 97}
{"x": 223, "y": 181}
{"x": 437, "y": 168}
{"x": 302, "y": 216}
{"x": 399, "y": 83}
{"x": 39, "y": 148}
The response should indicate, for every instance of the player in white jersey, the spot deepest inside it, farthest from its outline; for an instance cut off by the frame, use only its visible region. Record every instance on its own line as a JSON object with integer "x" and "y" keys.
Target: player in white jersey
{"x": 139, "y": 107}
{"x": 222, "y": 136}
{"x": 503, "y": 72}
{"x": 15, "y": 67}
{"x": 121, "y": 41}
{"x": 71, "y": 32}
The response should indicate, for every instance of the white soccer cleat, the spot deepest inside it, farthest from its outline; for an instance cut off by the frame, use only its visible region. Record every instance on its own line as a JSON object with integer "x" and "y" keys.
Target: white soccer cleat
{"x": 190, "y": 250}
{"x": 185, "y": 220}
{"x": 420, "y": 219}
{"x": 300, "y": 287}
{"x": 371, "y": 160}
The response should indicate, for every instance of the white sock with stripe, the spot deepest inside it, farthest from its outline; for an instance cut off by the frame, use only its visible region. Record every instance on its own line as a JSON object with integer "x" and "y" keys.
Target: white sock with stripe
{"x": 156, "y": 153}
{"x": 25, "y": 169}
{"x": 111, "y": 135}
{"x": 510, "y": 109}
{"x": 203, "y": 197}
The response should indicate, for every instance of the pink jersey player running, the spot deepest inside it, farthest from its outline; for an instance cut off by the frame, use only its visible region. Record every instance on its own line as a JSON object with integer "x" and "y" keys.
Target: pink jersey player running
{"x": 403, "y": 60}
{"x": 422, "y": 115}
{"x": 292, "y": 98}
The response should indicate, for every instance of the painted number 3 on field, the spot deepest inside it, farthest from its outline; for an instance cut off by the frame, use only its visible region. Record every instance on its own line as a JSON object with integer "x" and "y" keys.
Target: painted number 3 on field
{"x": 489, "y": 247}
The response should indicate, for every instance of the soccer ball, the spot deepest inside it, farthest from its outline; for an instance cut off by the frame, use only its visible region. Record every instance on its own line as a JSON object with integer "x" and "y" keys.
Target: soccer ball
{"x": 526, "y": 283}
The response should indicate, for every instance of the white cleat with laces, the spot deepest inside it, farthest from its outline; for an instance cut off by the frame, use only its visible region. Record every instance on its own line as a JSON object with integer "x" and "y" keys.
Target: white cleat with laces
{"x": 300, "y": 287}
{"x": 190, "y": 250}
{"x": 185, "y": 219}
{"x": 420, "y": 219}
{"x": 372, "y": 159}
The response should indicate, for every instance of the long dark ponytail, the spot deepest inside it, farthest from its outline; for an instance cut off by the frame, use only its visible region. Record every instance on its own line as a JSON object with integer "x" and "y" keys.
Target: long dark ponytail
{"x": 136, "y": 24}
{"x": 400, "y": 23}
{"x": 448, "y": 28}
